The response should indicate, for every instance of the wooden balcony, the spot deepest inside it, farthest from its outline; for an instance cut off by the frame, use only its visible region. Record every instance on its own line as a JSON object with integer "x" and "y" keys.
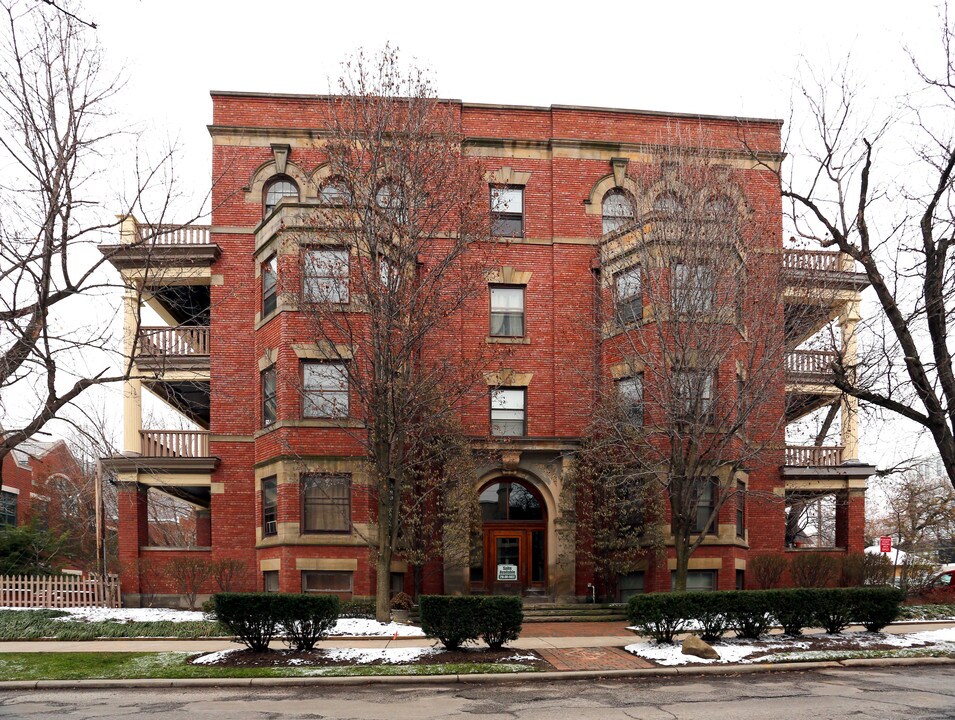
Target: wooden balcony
{"x": 161, "y": 246}
{"x": 175, "y": 443}
{"x": 812, "y": 367}
{"x": 184, "y": 347}
{"x": 813, "y": 455}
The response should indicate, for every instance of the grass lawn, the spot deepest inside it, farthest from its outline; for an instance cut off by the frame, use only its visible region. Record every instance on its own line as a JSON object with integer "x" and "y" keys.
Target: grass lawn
{"x": 33, "y": 624}
{"x": 927, "y": 612}
{"x": 127, "y": 665}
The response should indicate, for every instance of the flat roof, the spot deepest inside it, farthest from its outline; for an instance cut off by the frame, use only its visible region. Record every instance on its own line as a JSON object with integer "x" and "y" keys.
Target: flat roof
{"x": 537, "y": 108}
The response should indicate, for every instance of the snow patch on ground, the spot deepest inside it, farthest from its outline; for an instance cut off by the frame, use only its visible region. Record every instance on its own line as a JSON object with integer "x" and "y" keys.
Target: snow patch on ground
{"x": 363, "y": 656}
{"x": 214, "y": 658}
{"x": 94, "y": 614}
{"x": 345, "y": 626}
{"x": 363, "y": 627}
{"x": 738, "y": 651}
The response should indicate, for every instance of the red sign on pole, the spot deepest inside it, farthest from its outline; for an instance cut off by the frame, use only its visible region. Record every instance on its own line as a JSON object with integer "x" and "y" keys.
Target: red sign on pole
{"x": 885, "y": 544}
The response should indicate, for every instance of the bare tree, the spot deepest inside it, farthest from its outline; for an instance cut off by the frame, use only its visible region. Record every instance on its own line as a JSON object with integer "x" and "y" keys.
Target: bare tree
{"x": 693, "y": 344}
{"x": 399, "y": 246}
{"x": 918, "y": 512}
{"x": 895, "y": 219}
{"x": 55, "y": 145}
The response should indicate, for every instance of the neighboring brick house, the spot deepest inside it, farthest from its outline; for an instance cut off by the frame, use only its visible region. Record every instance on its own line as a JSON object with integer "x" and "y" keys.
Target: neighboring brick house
{"x": 29, "y": 472}
{"x": 213, "y": 361}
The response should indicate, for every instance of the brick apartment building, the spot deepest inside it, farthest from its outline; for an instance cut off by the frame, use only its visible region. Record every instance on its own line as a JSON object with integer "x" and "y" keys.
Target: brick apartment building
{"x": 249, "y": 465}
{"x": 36, "y": 475}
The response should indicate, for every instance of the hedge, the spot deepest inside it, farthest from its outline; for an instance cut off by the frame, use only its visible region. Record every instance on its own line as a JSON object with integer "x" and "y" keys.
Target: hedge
{"x": 750, "y": 612}
{"x": 255, "y": 618}
{"x": 460, "y": 619}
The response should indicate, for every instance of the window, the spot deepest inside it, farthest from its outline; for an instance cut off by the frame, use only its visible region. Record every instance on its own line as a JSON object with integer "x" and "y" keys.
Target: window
{"x": 741, "y": 509}
{"x": 508, "y": 412}
{"x": 325, "y": 390}
{"x": 705, "y": 506}
{"x": 692, "y": 288}
{"x": 329, "y": 582}
{"x": 740, "y": 579}
{"x": 278, "y": 189}
{"x": 630, "y": 395}
{"x": 396, "y": 583}
{"x": 270, "y": 281}
{"x": 617, "y": 211}
{"x": 507, "y": 211}
{"x": 693, "y": 390}
{"x": 509, "y": 502}
{"x": 270, "y": 581}
{"x": 697, "y": 580}
{"x": 269, "y": 506}
{"x": 388, "y": 273}
{"x": 269, "y": 396}
{"x": 668, "y": 203}
{"x": 628, "y": 295}
{"x": 8, "y": 509}
{"x": 631, "y": 584}
{"x": 326, "y": 503}
{"x": 507, "y": 311}
{"x": 335, "y": 192}
{"x": 390, "y": 199}
{"x": 325, "y": 275}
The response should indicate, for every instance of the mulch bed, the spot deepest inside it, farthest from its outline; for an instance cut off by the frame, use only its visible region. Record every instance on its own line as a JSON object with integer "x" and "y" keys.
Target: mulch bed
{"x": 292, "y": 658}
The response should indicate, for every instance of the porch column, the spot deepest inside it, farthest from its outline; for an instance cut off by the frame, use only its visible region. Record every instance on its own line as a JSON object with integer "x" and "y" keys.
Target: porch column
{"x": 848, "y": 321}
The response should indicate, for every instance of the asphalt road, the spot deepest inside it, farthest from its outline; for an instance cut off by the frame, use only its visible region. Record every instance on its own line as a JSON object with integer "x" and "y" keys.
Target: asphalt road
{"x": 883, "y": 693}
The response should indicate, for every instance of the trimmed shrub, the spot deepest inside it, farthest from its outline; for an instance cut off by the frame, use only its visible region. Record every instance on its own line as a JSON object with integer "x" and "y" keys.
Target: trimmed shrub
{"x": 749, "y": 611}
{"x": 250, "y": 617}
{"x": 793, "y": 609}
{"x": 500, "y": 620}
{"x": 875, "y": 607}
{"x": 357, "y": 609}
{"x": 453, "y": 620}
{"x": 710, "y": 615}
{"x": 401, "y": 601}
{"x": 460, "y": 619}
{"x": 768, "y": 570}
{"x": 813, "y": 569}
{"x": 833, "y": 609}
{"x": 662, "y": 615}
{"x": 305, "y": 619}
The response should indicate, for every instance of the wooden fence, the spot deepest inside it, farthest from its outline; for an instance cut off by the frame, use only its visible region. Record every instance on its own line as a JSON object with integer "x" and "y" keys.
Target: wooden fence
{"x": 58, "y": 591}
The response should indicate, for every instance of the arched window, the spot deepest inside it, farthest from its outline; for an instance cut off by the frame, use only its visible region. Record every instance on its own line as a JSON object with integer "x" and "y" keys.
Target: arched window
{"x": 719, "y": 207}
{"x": 280, "y": 187}
{"x": 509, "y": 501}
{"x": 668, "y": 203}
{"x": 389, "y": 198}
{"x": 617, "y": 210}
{"x": 335, "y": 192}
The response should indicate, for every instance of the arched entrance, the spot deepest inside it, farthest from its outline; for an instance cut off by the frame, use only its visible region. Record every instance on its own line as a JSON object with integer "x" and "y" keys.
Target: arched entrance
{"x": 514, "y": 521}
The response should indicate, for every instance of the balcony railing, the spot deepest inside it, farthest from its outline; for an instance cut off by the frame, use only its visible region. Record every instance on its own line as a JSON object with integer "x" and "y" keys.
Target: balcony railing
{"x": 813, "y": 456}
{"x": 813, "y": 365}
{"x": 174, "y": 234}
{"x": 813, "y": 260}
{"x": 181, "y": 341}
{"x": 175, "y": 443}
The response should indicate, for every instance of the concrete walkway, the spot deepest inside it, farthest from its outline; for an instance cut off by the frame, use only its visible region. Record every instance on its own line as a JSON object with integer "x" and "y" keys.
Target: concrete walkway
{"x": 537, "y": 636}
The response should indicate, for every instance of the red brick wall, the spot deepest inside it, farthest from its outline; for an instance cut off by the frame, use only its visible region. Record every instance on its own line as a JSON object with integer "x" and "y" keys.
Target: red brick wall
{"x": 559, "y": 309}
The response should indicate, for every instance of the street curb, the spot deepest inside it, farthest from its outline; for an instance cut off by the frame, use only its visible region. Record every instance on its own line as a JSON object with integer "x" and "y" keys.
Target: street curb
{"x": 477, "y": 678}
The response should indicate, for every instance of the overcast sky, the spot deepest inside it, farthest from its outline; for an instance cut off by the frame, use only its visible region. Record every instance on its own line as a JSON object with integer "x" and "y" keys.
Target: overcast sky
{"x": 729, "y": 58}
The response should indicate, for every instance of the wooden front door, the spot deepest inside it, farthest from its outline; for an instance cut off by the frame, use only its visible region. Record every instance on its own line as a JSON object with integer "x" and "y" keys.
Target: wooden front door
{"x": 514, "y": 560}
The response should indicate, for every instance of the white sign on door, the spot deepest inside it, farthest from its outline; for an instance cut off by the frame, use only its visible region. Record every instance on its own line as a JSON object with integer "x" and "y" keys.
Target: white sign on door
{"x": 507, "y": 573}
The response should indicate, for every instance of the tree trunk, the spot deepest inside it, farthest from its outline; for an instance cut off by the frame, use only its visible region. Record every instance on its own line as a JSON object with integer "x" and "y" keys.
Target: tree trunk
{"x": 682, "y": 551}
{"x": 383, "y": 584}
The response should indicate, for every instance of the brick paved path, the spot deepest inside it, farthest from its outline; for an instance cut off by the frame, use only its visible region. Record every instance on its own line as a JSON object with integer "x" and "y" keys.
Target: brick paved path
{"x": 576, "y": 629}
{"x": 603, "y": 658}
